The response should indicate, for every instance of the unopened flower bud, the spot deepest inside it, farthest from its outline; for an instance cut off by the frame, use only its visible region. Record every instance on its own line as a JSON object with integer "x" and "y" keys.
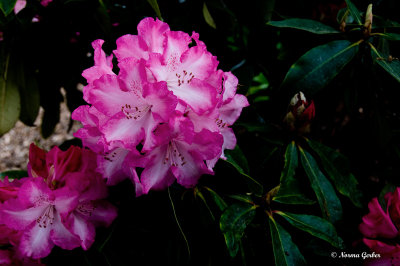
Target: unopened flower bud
{"x": 300, "y": 113}
{"x": 368, "y": 21}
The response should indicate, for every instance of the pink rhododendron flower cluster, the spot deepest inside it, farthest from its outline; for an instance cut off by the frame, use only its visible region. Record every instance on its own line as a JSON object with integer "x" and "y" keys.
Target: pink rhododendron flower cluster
{"x": 60, "y": 203}
{"x": 381, "y": 229}
{"x": 167, "y": 110}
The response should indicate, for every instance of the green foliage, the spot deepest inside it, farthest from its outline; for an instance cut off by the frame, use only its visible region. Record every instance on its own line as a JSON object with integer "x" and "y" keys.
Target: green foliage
{"x": 286, "y": 253}
{"x": 207, "y": 17}
{"x": 315, "y": 226}
{"x": 316, "y": 68}
{"x": 7, "y": 6}
{"x": 391, "y": 67}
{"x": 155, "y": 7}
{"x": 13, "y": 174}
{"x": 233, "y": 222}
{"x": 304, "y": 24}
{"x": 337, "y": 168}
{"x": 289, "y": 191}
{"x": 9, "y": 98}
{"x": 238, "y": 160}
{"x": 354, "y": 12}
{"x": 327, "y": 199}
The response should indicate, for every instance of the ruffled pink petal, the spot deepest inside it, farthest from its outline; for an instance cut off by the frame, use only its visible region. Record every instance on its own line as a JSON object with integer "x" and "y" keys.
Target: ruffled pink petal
{"x": 204, "y": 121}
{"x": 102, "y": 64}
{"x": 377, "y": 223}
{"x": 34, "y": 192}
{"x": 103, "y": 214}
{"x": 195, "y": 36}
{"x": 19, "y": 5}
{"x": 230, "y": 86}
{"x": 231, "y": 111}
{"x": 199, "y": 62}
{"x": 17, "y": 217}
{"x": 156, "y": 174}
{"x": 66, "y": 200}
{"x": 133, "y": 75}
{"x": 152, "y": 31}
{"x": 37, "y": 162}
{"x": 61, "y": 236}
{"x": 35, "y": 242}
{"x": 82, "y": 228}
{"x": 131, "y": 46}
{"x": 162, "y": 100}
{"x": 175, "y": 44}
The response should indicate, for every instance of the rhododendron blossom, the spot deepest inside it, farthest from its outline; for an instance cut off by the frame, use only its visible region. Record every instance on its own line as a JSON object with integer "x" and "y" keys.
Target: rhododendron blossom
{"x": 381, "y": 229}
{"x": 60, "y": 203}
{"x": 167, "y": 110}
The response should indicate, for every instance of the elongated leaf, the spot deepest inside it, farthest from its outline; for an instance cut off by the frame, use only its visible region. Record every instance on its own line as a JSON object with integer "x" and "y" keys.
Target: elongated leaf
{"x": 390, "y": 36}
{"x": 238, "y": 160}
{"x": 233, "y": 222}
{"x": 217, "y": 199}
{"x": 337, "y": 168}
{"x": 392, "y": 67}
{"x": 316, "y": 68}
{"x": 304, "y": 24}
{"x": 155, "y": 7}
{"x": 207, "y": 17}
{"x": 242, "y": 198}
{"x": 14, "y": 174}
{"x": 380, "y": 22}
{"x": 327, "y": 199}
{"x": 315, "y": 226}
{"x": 355, "y": 13}
{"x": 9, "y": 99}
{"x": 344, "y": 16}
{"x": 289, "y": 192}
{"x": 7, "y": 6}
{"x": 286, "y": 253}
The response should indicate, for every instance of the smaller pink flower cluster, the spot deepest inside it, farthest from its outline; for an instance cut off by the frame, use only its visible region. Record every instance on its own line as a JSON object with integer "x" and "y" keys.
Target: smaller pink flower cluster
{"x": 60, "y": 203}
{"x": 168, "y": 110}
{"x": 381, "y": 229}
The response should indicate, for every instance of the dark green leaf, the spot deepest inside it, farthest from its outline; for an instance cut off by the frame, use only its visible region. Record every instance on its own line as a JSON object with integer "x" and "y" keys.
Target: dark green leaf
{"x": 7, "y": 6}
{"x": 263, "y": 84}
{"x": 207, "y": 17}
{"x": 344, "y": 15}
{"x": 9, "y": 99}
{"x": 289, "y": 192}
{"x": 238, "y": 160}
{"x": 390, "y": 36}
{"x": 316, "y": 68}
{"x": 50, "y": 119}
{"x": 327, "y": 199}
{"x": 380, "y": 22}
{"x": 337, "y": 168}
{"x": 304, "y": 24}
{"x": 217, "y": 199}
{"x": 355, "y": 13}
{"x": 30, "y": 98}
{"x": 242, "y": 198}
{"x": 315, "y": 226}
{"x": 392, "y": 67}
{"x": 259, "y": 99}
{"x": 198, "y": 193}
{"x": 155, "y": 7}
{"x": 14, "y": 174}
{"x": 286, "y": 252}
{"x": 233, "y": 222}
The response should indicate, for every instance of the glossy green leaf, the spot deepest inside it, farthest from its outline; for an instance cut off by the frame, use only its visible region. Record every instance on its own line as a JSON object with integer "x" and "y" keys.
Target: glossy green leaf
{"x": 51, "y": 117}
{"x": 9, "y": 99}
{"x": 263, "y": 84}
{"x": 355, "y": 13}
{"x": 337, "y": 168}
{"x": 238, "y": 160}
{"x": 217, "y": 199}
{"x": 242, "y": 198}
{"x": 14, "y": 174}
{"x": 316, "y": 68}
{"x": 233, "y": 222}
{"x": 315, "y": 226}
{"x": 260, "y": 99}
{"x": 30, "y": 97}
{"x": 327, "y": 198}
{"x": 389, "y": 36}
{"x": 289, "y": 192}
{"x": 286, "y": 252}
{"x": 344, "y": 15}
{"x": 207, "y": 17}
{"x": 304, "y": 24}
{"x": 7, "y": 6}
{"x": 155, "y": 7}
{"x": 381, "y": 198}
{"x": 392, "y": 67}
